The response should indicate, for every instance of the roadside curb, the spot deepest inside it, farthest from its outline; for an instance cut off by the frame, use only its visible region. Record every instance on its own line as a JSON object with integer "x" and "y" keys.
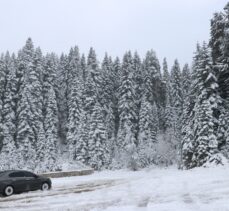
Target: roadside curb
{"x": 68, "y": 173}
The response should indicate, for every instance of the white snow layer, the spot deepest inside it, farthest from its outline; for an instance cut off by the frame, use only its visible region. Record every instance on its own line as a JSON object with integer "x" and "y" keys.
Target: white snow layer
{"x": 204, "y": 189}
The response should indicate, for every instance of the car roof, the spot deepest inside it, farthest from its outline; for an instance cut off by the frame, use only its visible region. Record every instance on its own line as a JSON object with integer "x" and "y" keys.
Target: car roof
{"x": 11, "y": 171}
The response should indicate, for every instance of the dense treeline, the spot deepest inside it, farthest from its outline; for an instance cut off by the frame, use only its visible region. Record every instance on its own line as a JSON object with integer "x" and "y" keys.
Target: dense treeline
{"x": 113, "y": 115}
{"x": 130, "y": 113}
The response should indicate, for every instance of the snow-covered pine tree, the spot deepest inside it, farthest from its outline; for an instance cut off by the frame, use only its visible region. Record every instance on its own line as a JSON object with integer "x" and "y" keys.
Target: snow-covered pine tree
{"x": 166, "y": 75}
{"x": 126, "y": 139}
{"x": 108, "y": 98}
{"x": 187, "y": 147}
{"x": 116, "y": 69}
{"x": 177, "y": 92}
{"x": 187, "y": 137}
{"x": 81, "y": 148}
{"x": 106, "y": 83}
{"x": 177, "y": 106}
{"x": 138, "y": 79}
{"x": 219, "y": 48}
{"x": 75, "y": 105}
{"x": 223, "y": 132}
{"x": 177, "y": 100}
{"x": 186, "y": 80}
{"x": 217, "y": 37}
{"x": 2, "y": 93}
{"x": 185, "y": 120}
{"x": 26, "y": 110}
{"x": 200, "y": 146}
{"x": 167, "y": 80}
{"x": 20, "y": 66}
{"x": 41, "y": 150}
{"x": 78, "y": 120}
{"x": 36, "y": 89}
{"x": 62, "y": 97}
{"x": 98, "y": 151}
{"x": 90, "y": 98}
{"x": 50, "y": 126}
{"x": 73, "y": 71}
{"x": 138, "y": 86}
{"x": 26, "y": 136}
{"x": 148, "y": 128}
{"x": 68, "y": 69}
{"x": 221, "y": 51}
{"x": 168, "y": 113}
{"x": 117, "y": 75}
{"x": 153, "y": 83}
{"x": 152, "y": 77}
{"x": 92, "y": 84}
{"x": 38, "y": 124}
{"x": 9, "y": 156}
{"x": 30, "y": 106}
{"x": 50, "y": 114}
{"x": 206, "y": 145}
{"x": 167, "y": 143}
{"x": 83, "y": 67}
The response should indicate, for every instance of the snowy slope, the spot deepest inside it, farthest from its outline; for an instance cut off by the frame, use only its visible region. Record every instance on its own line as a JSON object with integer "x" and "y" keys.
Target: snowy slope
{"x": 155, "y": 189}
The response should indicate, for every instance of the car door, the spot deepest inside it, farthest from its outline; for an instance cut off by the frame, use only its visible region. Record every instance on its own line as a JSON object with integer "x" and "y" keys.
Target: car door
{"x": 33, "y": 180}
{"x": 18, "y": 181}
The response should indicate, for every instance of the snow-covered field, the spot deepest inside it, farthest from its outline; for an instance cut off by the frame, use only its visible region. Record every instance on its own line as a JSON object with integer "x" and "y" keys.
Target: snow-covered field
{"x": 152, "y": 189}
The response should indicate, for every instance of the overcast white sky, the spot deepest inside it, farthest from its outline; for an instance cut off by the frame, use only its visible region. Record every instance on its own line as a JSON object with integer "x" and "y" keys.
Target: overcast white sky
{"x": 170, "y": 27}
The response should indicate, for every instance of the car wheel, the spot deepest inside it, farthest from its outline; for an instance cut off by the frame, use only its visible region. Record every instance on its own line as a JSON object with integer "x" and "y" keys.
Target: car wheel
{"x": 8, "y": 191}
{"x": 45, "y": 186}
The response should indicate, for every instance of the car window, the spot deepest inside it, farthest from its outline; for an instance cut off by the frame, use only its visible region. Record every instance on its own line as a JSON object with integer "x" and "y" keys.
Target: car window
{"x": 29, "y": 174}
{"x": 17, "y": 174}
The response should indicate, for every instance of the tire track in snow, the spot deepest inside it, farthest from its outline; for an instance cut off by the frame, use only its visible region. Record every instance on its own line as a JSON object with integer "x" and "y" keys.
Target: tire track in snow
{"x": 189, "y": 198}
{"x": 22, "y": 201}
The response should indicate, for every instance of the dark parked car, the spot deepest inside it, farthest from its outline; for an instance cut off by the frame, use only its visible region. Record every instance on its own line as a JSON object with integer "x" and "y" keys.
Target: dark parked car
{"x": 18, "y": 181}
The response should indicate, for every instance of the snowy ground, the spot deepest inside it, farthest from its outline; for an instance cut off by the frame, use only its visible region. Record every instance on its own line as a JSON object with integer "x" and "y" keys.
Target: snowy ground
{"x": 156, "y": 189}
